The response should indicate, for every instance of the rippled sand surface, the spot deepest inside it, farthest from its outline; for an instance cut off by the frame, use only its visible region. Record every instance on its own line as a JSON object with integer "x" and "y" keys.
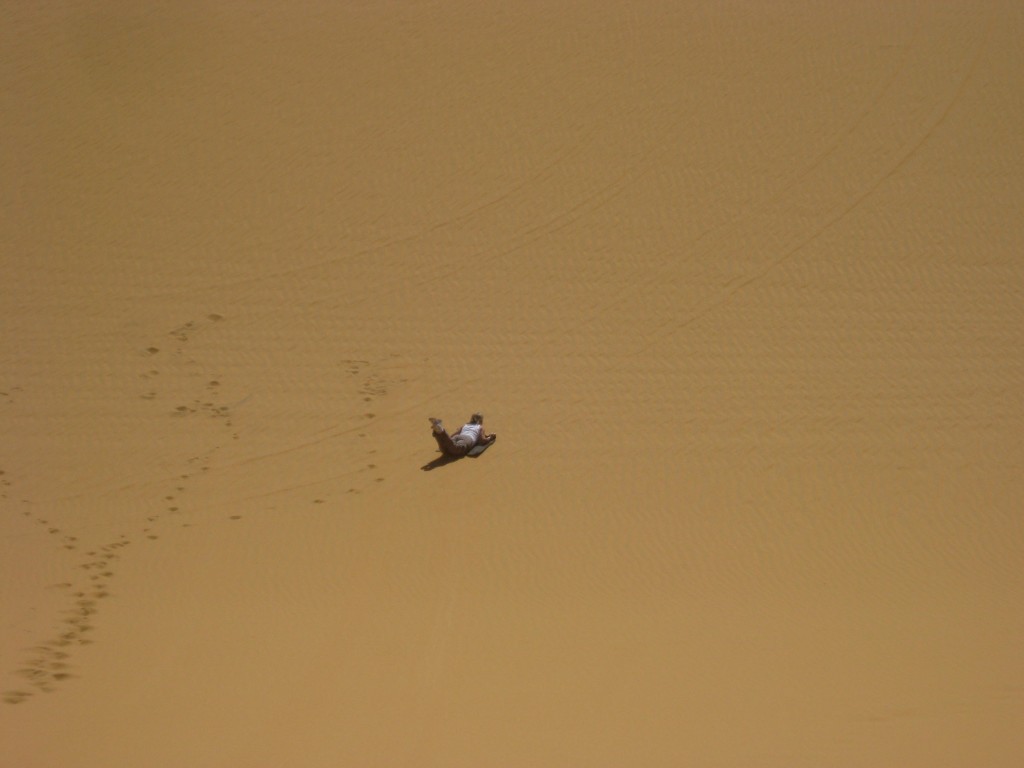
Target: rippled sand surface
{"x": 738, "y": 285}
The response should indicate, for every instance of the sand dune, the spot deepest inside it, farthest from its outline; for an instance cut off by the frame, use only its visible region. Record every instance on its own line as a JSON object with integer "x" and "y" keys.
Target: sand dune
{"x": 737, "y": 284}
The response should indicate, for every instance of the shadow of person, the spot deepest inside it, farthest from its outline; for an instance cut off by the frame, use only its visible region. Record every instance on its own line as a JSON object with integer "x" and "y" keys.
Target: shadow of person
{"x": 440, "y": 461}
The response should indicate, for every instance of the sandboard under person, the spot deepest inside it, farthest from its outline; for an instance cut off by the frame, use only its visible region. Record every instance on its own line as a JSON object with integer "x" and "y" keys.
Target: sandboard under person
{"x": 470, "y": 435}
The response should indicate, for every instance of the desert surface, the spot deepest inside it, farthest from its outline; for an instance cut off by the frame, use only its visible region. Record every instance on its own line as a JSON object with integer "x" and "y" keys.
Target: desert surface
{"x": 738, "y": 285}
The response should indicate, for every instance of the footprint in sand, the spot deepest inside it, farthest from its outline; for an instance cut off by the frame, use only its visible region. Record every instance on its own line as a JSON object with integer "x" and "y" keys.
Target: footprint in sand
{"x": 50, "y": 663}
{"x": 184, "y": 332}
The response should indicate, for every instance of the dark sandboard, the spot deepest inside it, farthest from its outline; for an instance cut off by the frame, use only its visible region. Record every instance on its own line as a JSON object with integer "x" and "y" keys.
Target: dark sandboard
{"x": 476, "y": 450}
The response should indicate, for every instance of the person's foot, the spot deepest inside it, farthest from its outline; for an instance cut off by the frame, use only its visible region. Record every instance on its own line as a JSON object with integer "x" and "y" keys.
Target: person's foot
{"x": 436, "y": 424}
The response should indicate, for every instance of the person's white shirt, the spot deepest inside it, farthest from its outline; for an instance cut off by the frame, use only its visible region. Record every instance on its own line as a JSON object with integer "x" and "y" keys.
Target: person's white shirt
{"x": 471, "y": 431}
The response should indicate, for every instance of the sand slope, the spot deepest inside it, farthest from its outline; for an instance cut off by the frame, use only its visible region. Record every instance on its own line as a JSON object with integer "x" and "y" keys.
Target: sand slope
{"x": 738, "y": 285}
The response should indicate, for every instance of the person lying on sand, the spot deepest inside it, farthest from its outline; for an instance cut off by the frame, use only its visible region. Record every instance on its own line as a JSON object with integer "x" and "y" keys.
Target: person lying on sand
{"x": 462, "y": 441}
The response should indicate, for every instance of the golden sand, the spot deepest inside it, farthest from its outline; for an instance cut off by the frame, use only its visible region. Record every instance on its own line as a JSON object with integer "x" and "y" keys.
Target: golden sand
{"x": 738, "y": 285}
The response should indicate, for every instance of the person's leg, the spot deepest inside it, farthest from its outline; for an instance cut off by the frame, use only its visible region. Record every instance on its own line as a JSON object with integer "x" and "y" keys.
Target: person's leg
{"x": 446, "y": 444}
